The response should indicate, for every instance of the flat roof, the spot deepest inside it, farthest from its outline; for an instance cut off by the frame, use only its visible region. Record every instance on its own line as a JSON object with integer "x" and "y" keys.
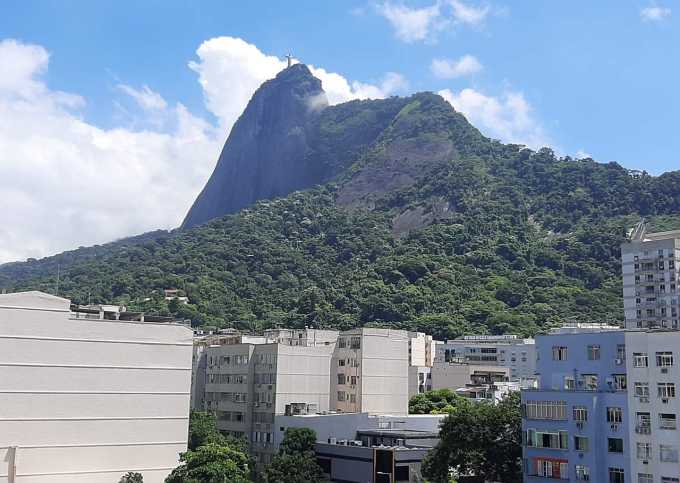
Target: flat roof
{"x": 399, "y": 433}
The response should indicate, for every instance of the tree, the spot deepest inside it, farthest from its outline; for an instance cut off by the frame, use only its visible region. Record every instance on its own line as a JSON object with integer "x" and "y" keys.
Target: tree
{"x": 202, "y": 429}
{"x": 479, "y": 439}
{"x": 131, "y": 477}
{"x": 296, "y": 460}
{"x": 212, "y": 463}
{"x": 433, "y": 402}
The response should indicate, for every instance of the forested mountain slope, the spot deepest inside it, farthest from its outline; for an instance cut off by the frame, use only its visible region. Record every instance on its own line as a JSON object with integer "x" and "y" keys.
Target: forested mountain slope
{"x": 422, "y": 223}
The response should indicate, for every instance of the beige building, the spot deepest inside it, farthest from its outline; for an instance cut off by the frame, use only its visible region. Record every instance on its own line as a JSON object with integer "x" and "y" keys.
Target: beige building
{"x": 650, "y": 264}
{"x": 370, "y": 372}
{"x": 87, "y": 395}
{"x": 247, "y": 384}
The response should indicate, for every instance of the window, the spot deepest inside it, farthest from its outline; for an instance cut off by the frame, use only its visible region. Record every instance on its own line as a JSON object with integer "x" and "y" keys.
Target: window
{"x": 641, "y": 389}
{"x": 645, "y": 478}
{"x": 643, "y": 423}
{"x": 580, "y": 443}
{"x": 593, "y": 352}
{"x": 664, "y": 359}
{"x": 342, "y": 343}
{"x": 590, "y": 382}
{"x": 355, "y": 342}
{"x": 580, "y": 413}
{"x": 668, "y": 479}
{"x": 614, "y": 415}
{"x": 551, "y": 468}
{"x": 555, "y": 410}
{"x": 341, "y": 362}
{"x": 540, "y": 439}
{"x": 667, "y": 421}
{"x": 569, "y": 383}
{"x": 353, "y": 380}
{"x": 616, "y": 475}
{"x": 582, "y": 473}
{"x": 621, "y": 351}
{"x": 666, "y": 390}
{"x": 640, "y": 359}
{"x": 668, "y": 454}
{"x": 615, "y": 445}
{"x": 342, "y": 379}
{"x": 644, "y": 451}
{"x": 559, "y": 353}
{"x": 341, "y": 396}
{"x": 620, "y": 383}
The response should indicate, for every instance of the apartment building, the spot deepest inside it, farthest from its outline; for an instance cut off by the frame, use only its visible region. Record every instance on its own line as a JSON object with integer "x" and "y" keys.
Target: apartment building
{"x": 650, "y": 264}
{"x": 653, "y": 366}
{"x": 421, "y": 353}
{"x": 88, "y": 394}
{"x": 370, "y": 372}
{"x": 248, "y": 383}
{"x": 576, "y": 423}
{"x": 515, "y": 353}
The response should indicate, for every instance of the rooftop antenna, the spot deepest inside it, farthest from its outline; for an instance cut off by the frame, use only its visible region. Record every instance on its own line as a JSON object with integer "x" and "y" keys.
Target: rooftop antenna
{"x": 289, "y": 57}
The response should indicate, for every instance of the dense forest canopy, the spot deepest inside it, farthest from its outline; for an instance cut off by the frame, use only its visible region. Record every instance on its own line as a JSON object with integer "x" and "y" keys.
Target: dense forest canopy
{"x": 432, "y": 227}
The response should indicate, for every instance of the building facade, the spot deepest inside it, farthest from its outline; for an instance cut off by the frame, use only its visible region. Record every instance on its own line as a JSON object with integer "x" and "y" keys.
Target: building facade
{"x": 650, "y": 264}
{"x": 575, "y": 424}
{"x": 88, "y": 395}
{"x": 370, "y": 372}
{"x": 516, "y": 354}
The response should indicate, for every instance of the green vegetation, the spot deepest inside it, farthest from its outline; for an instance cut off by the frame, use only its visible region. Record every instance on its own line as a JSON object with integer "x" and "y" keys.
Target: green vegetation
{"x": 212, "y": 457}
{"x": 480, "y": 441}
{"x": 296, "y": 461}
{"x": 504, "y": 239}
{"x": 131, "y": 477}
{"x": 439, "y": 401}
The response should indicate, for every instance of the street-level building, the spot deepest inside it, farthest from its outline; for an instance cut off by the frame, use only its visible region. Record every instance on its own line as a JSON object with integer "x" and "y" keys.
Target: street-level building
{"x": 88, "y": 394}
{"x": 650, "y": 264}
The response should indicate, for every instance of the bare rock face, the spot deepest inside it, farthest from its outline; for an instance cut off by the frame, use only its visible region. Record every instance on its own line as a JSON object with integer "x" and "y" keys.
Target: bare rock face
{"x": 265, "y": 154}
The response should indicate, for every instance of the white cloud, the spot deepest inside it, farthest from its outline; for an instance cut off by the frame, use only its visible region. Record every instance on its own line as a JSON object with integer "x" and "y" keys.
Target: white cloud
{"x": 581, "y": 154}
{"x": 67, "y": 182}
{"x": 655, "y": 14}
{"x": 411, "y": 24}
{"x": 449, "y": 69}
{"x": 230, "y": 70}
{"x": 145, "y": 97}
{"x": 468, "y": 14}
{"x": 414, "y": 24}
{"x": 508, "y": 118}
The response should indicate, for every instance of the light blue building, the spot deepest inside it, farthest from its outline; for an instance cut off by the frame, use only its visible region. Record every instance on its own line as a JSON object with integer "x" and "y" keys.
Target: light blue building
{"x": 575, "y": 424}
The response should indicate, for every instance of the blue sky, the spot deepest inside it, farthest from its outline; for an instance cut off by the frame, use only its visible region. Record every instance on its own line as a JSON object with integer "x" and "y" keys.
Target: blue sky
{"x": 587, "y": 78}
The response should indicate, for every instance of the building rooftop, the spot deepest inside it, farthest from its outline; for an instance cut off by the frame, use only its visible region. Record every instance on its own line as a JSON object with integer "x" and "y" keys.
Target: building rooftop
{"x": 398, "y": 433}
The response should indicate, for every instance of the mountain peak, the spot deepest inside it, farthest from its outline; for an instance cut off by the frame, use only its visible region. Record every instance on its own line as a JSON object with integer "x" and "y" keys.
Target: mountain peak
{"x": 264, "y": 154}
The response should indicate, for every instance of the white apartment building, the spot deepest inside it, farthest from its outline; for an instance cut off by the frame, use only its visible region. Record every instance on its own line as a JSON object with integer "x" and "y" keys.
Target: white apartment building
{"x": 369, "y": 372}
{"x": 653, "y": 373}
{"x": 650, "y": 264}
{"x": 87, "y": 395}
{"x": 515, "y": 353}
{"x": 421, "y": 353}
{"x": 248, "y": 384}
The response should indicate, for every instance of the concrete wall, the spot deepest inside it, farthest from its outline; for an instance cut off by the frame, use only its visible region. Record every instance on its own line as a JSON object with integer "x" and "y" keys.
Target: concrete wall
{"x": 88, "y": 400}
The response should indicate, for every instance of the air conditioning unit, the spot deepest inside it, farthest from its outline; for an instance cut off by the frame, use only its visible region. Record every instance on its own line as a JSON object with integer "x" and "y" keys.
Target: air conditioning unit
{"x": 664, "y": 370}
{"x": 645, "y": 462}
{"x": 614, "y": 427}
{"x": 664, "y": 400}
{"x": 644, "y": 399}
{"x": 618, "y": 361}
